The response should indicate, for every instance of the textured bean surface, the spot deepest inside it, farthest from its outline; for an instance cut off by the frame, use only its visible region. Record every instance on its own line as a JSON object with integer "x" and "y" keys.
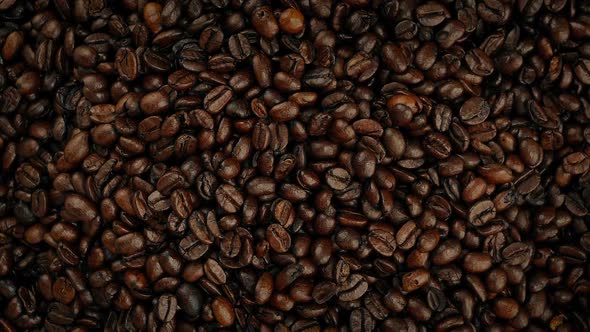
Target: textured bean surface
{"x": 294, "y": 165}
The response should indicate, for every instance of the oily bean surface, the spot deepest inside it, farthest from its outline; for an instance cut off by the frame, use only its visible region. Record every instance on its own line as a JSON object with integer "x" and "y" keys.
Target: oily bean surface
{"x": 316, "y": 165}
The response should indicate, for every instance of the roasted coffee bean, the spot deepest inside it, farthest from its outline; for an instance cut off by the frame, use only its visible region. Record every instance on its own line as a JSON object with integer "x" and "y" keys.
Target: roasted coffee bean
{"x": 239, "y": 46}
{"x": 217, "y": 99}
{"x": 264, "y": 22}
{"x": 474, "y": 111}
{"x": 337, "y": 178}
{"x": 294, "y": 166}
{"x": 353, "y": 288}
{"x": 361, "y": 320}
{"x": 291, "y": 21}
{"x": 482, "y": 212}
{"x": 229, "y": 198}
{"x": 382, "y": 241}
{"x": 414, "y": 280}
{"x": 278, "y": 238}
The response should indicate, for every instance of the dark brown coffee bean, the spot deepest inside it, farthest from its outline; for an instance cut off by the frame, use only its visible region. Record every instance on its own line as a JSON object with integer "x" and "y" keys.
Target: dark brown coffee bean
{"x": 437, "y": 145}
{"x": 217, "y": 99}
{"x": 292, "y": 21}
{"x": 264, "y": 22}
{"x": 414, "y": 280}
{"x": 353, "y": 288}
{"x": 517, "y": 253}
{"x": 239, "y": 46}
{"x": 474, "y": 111}
{"x": 382, "y": 241}
{"x": 155, "y": 102}
{"x": 337, "y": 178}
{"x": 482, "y": 212}
{"x": 278, "y": 238}
{"x": 127, "y": 64}
{"x": 506, "y": 308}
{"x": 214, "y": 272}
{"x": 324, "y": 291}
{"x": 285, "y": 111}
{"x": 475, "y": 262}
{"x": 361, "y": 320}
{"x": 229, "y": 198}
{"x": 576, "y": 163}
{"x": 312, "y": 165}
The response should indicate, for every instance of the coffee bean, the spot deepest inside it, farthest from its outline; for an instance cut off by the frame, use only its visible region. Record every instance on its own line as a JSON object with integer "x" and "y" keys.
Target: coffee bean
{"x": 217, "y": 99}
{"x": 190, "y": 299}
{"x": 576, "y": 163}
{"x": 414, "y": 280}
{"x": 214, "y": 272}
{"x": 324, "y": 291}
{"x": 437, "y": 145}
{"x": 337, "y": 178}
{"x": 506, "y": 308}
{"x": 482, "y": 212}
{"x": 474, "y": 111}
{"x": 382, "y": 241}
{"x": 517, "y": 253}
{"x": 353, "y": 288}
{"x": 361, "y": 320}
{"x": 291, "y": 21}
{"x": 285, "y": 111}
{"x": 264, "y": 288}
{"x": 431, "y": 14}
{"x": 308, "y": 165}
{"x": 278, "y": 238}
{"x": 229, "y": 198}
{"x": 166, "y": 307}
{"x": 239, "y": 46}
{"x": 264, "y": 22}
{"x": 476, "y": 262}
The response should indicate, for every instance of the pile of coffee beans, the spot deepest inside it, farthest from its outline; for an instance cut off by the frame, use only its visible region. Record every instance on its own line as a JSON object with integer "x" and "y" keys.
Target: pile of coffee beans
{"x": 294, "y": 165}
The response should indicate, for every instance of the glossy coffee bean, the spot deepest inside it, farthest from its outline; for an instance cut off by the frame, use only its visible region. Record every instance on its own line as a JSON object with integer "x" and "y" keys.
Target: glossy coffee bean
{"x": 294, "y": 165}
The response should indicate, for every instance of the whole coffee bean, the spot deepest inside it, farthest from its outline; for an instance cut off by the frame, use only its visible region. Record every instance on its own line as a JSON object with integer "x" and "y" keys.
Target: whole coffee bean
{"x": 382, "y": 241}
{"x": 324, "y": 291}
{"x": 482, "y": 212}
{"x": 294, "y": 165}
{"x": 479, "y": 62}
{"x": 576, "y": 163}
{"x": 506, "y": 308}
{"x": 474, "y": 190}
{"x": 474, "y": 111}
{"x": 166, "y": 307}
{"x": 337, "y": 178}
{"x": 239, "y": 46}
{"x": 285, "y": 111}
{"x": 155, "y": 102}
{"x": 264, "y": 22}
{"x": 278, "y": 238}
{"x": 496, "y": 173}
{"x": 353, "y": 288}
{"x": 517, "y": 253}
{"x": 79, "y": 208}
{"x": 190, "y": 299}
{"x": 437, "y": 145}
{"x": 361, "y": 320}
{"x": 414, "y": 280}
{"x": 229, "y": 198}
{"x": 446, "y": 252}
{"x": 476, "y": 262}
{"x": 217, "y": 99}
{"x": 291, "y": 21}
{"x": 130, "y": 244}
{"x": 264, "y": 288}
{"x": 126, "y": 63}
